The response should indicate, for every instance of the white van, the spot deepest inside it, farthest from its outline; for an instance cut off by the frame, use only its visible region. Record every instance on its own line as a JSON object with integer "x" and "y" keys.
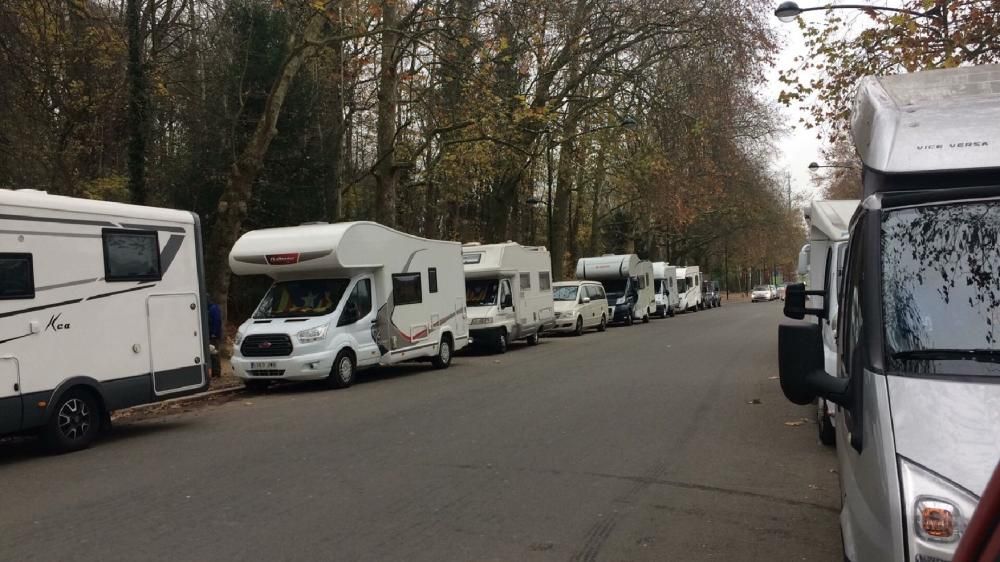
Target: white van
{"x": 508, "y": 292}
{"x": 580, "y": 305}
{"x": 918, "y": 339}
{"x": 628, "y": 282}
{"x": 828, "y": 232}
{"x": 689, "y": 288}
{"x": 665, "y": 288}
{"x": 347, "y": 296}
{"x": 102, "y": 307}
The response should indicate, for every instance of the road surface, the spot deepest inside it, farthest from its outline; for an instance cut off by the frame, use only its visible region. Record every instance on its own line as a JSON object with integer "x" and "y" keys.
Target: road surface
{"x": 642, "y": 443}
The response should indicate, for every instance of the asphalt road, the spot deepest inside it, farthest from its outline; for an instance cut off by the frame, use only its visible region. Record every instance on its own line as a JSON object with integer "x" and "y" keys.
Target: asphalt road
{"x": 637, "y": 444}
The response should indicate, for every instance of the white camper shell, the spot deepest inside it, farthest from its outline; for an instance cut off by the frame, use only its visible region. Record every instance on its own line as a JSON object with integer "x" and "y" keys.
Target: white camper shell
{"x": 508, "y": 293}
{"x": 101, "y": 307}
{"x": 628, "y": 282}
{"x": 347, "y": 296}
{"x": 689, "y": 288}
{"x": 665, "y": 288}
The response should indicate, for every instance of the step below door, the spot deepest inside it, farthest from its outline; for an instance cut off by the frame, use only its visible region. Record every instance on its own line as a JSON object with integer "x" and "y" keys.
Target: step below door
{"x": 176, "y": 345}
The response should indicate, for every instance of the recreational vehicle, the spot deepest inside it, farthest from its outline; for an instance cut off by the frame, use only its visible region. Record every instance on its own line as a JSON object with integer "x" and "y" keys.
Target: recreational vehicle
{"x": 508, "y": 292}
{"x": 916, "y": 387}
{"x": 347, "y": 296}
{"x": 665, "y": 288}
{"x": 828, "y": 232}
{"x": 628, "y": 282}
{"x": 689, "y": 289}
{"x": 102, "y": 307}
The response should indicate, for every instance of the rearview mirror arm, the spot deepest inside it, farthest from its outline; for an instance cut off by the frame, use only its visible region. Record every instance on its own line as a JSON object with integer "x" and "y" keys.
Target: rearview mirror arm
{"x": 834, "y": 389}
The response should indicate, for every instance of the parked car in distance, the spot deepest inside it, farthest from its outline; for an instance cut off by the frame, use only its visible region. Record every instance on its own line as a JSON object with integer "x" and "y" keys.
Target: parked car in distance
{"x": 761, "y": 293}
{"x": 711, "y": 295}
{"x": 781, "y": 291}
{"x": 580, "y": 305}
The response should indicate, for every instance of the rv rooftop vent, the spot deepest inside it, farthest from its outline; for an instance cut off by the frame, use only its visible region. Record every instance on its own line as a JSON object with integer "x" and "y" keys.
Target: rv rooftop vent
{"x": 312, "y": 223}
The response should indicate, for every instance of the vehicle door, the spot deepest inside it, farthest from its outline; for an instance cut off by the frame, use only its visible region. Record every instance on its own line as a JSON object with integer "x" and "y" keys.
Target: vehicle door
{"x": 357, "y": 319}
{"x": 10, "y": 394}
{"x": 591, "y": 310}
{"x": 505, "y": 304}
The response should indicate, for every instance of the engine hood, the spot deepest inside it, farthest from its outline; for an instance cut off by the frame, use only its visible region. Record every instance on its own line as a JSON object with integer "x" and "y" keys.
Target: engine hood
{"x": 950, "y": 427}
{"x": 289, "y": 326}
{"x": 563, "y": 306}
{"x": 481, "y": 311}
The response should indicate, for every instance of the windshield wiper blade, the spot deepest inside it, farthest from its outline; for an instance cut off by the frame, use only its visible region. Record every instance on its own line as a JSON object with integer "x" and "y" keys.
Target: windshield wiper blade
{"x": 985, "y": 355}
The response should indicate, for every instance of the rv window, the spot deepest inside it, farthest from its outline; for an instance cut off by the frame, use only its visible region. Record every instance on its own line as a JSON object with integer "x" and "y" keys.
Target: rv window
{"x": 544, "y": 281}
{"x": 597, "y": 292}
{"x": 131, "y": 255}
{"x": 358, "y": 305}
{"x": 682, "y": 285}
{"x": 525, "y": 281}
{"x": 432, "y": 280}
{"x": 17, "y": 276}
{"x": 406, "y": 289}
{"x": 307, "y": 297}
{"x": 641, "y": 281}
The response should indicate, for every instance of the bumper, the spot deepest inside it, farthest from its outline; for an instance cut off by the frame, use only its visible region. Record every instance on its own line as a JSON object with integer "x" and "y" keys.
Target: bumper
{"x": 621, "y": 313}
{"x": 484, "y": 335}
{"x": 661, "y": 310}
{"x": 308, "y": 367}
{"x": 564, "y": 324}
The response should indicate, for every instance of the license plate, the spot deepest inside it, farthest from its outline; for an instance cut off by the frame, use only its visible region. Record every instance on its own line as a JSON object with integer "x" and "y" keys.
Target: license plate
{"x": 259, "y": 365}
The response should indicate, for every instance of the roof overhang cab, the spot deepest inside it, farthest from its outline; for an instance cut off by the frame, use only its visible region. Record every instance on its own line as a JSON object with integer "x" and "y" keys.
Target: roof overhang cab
{"x": 929, "y": 121}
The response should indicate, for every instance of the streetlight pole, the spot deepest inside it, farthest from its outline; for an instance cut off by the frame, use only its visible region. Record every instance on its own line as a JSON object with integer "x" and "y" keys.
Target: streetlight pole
{"x": 788, "y": 11}
{"x": 814, "y": 166}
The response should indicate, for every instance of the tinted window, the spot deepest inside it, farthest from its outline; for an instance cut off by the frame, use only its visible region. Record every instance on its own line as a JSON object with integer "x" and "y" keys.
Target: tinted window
{"x": 544, "y": 281}
{"x": 358, "y": 305}
{"x": 308, "y": 297}
{"x": 17, "y": 278}
{"x": 406, "y": 289}
{"x": 565, "y": 293}
{"x": 525, "y": 281}
{"x": 131, "y": 255}
{"x": 432, "y": 280}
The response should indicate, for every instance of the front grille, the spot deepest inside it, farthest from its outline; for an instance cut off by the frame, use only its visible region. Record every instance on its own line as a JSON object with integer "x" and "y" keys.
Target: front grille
{"x": 266, "y": 345}
{"x": 266, "y": 373}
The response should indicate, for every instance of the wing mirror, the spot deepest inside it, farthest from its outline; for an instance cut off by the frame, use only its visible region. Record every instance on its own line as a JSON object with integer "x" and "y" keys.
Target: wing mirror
{"x": 800, "y": 366}
{"x": 508, "y": 301}
{"x": 795, "y": 302}
{"x": 586, "y": 300}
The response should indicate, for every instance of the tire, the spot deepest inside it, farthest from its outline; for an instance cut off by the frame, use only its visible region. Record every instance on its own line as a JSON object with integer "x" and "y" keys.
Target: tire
{"x": 256, "y": 385}
{"x": 671, "y": 312}
{"x": 75, "y": 422}
{"x": 445, "y": 351}
{"x": 533, "y": 338}
{"x": 578, "y": 331}
{"x": 502, "y": 342}
{"x": 343, "y": 371}
{"x": 827, "y": 431}
{"x": 645, "y": 318}
{"x": 629, "y": 320}
{"x": 603, "y": 326}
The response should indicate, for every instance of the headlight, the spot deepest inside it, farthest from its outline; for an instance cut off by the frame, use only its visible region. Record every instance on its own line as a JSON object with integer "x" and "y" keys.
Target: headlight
{"x": 936, "y": 512}
{"x": 238, "y": 339}
{"x": 480, "y": 321}
{"x": 312, "y": 334}
{"x": 621, "y": 300}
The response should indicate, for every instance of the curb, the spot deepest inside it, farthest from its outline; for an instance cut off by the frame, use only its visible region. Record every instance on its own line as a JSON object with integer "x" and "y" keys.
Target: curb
{"x": 183, "y": 399}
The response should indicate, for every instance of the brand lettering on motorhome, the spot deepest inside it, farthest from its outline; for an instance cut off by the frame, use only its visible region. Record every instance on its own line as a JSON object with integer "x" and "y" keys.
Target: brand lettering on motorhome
{"x": 55, "y": 325}
{"x": 283, "y": 259}
{"x": 969, "y": 144}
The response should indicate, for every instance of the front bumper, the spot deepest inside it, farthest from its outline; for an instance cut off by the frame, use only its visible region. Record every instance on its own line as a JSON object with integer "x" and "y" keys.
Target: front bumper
{"x": 564, "y": 324}
{"x": 312, "y": 366}
{"x": 621, "y": 313}
{"x": 484, "y": 334}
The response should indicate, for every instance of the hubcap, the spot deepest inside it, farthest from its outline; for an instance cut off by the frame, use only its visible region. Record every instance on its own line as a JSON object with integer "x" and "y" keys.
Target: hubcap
{"x": 445, "y": 352}
{"x": 74, "y": 419}
{"x": 345, "y": 369}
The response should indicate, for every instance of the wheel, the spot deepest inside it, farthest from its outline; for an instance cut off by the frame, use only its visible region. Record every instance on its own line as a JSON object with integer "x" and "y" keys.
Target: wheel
{"x": 603, "y": 326}
{"x": 645, "y": 318}
{"x": 75, "y": 422}
{"x": 826, "y": 429}
{"x": 578, "y": 331}
{"x": 501, "y": 342}
{"x": 443, "y": 359}
{"x": 256, "y": 385}
{"x": 671, "y": 312}
{"x": 533, "y": 338}
{"x": 342, "y": 374}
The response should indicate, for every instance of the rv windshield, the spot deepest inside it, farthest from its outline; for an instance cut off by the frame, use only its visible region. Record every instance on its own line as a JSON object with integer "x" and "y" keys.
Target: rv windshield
{"x": 307, "y": 297}
{"x": 682, "y": 285}
{"x": 565, "y": 293}
{"x": 615, "y": 288}
{"x": 941, "y": 299}
{"x": 658, "y": 285}
{"x": 481, "y": 292}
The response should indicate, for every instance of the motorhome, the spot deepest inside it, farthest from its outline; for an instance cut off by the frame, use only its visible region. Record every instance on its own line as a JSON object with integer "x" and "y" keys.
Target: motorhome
{"x": 347, "y": 296}
{"x": 916, "y": 387}
{"x": 102, "y": 307}
{"x": 689, "y": 289}
{"x": 828, "y": 233}
{"x": 628, "y": 282}
{"x": 508, "y": 292}
{"x": 665, "y": 288}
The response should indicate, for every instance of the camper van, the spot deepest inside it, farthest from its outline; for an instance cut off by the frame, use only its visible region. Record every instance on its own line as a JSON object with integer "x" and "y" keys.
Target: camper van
{"x": 917, "y": 385}
{"x": 508, "y": 292}
{"x": 347, "y": 296}
{"x": 102, "y": 307}
{"x": 665, "y": 288}
{"x": 628, "y": 282}
{"x": 824, "y": 263}
{"x": 689, "y": 289}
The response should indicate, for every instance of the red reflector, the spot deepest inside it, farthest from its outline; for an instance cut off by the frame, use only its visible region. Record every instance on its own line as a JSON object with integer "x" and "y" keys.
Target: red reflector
{"x": 283, "y": 259}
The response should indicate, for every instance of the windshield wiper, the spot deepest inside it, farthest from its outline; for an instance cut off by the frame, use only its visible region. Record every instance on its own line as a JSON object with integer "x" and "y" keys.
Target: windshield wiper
{"x": 985, "y": 355}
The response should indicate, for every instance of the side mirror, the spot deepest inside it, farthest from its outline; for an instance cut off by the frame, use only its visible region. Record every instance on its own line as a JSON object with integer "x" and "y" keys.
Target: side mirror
{"x": 795, "y": 302}
{"x": 508, "y": 301}
{"x": 800, "y": 366}
{"x": 586, "y": 300}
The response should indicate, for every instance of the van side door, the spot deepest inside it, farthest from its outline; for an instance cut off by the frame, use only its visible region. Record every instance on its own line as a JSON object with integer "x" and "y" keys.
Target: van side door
{"x": 358, "y": 320}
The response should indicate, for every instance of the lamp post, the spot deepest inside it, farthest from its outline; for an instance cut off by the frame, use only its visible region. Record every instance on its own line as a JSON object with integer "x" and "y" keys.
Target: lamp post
{"x": 788, "y": 11}
{"x": 813, "y": 166}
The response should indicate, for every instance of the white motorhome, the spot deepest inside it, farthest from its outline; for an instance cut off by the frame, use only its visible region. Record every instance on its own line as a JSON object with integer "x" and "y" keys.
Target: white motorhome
{"x": 102, "y": 307}
{"x": 665, "y": 288}
{"x": 828, "y": 233}
{"x": 916, "y": 386}
{"x": 628, "y": 282}
{"x": 689, "y": 288}
{"x": 508, "y": 293}
{"x": 347, "y": 296}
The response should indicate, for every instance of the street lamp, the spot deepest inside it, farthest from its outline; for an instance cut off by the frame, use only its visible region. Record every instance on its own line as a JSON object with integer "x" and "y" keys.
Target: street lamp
{"x": 788, "y": 11}
{"x": 813, "y": 166}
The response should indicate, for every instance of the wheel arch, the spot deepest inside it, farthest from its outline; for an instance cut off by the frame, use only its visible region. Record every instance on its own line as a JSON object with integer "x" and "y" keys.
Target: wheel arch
{"x": 90, "y": 384}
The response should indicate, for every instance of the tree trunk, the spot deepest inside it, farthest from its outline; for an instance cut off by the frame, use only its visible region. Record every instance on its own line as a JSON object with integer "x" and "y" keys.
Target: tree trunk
{"x": 138, "y": 104}
{"x": 595, "y": 208}
{"x": 386, "y": 171}
{"x": 339, "y": 126}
